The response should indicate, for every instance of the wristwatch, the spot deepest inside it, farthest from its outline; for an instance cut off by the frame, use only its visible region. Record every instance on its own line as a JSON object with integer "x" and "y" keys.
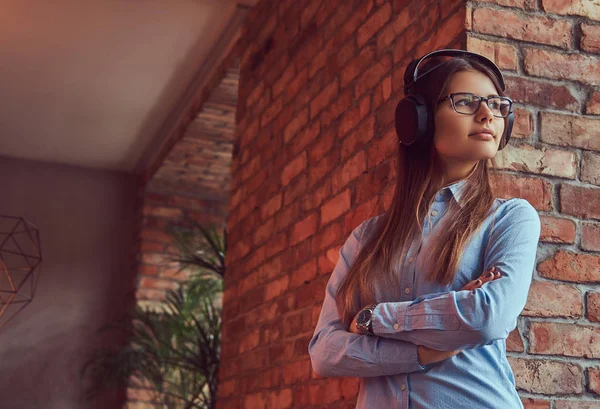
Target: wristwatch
{"x": 364, "y": 322}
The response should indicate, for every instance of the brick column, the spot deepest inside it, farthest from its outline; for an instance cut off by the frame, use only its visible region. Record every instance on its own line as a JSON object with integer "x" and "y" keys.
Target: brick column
{"x": 550, "y": 55}
{"x": 315, "y": 144}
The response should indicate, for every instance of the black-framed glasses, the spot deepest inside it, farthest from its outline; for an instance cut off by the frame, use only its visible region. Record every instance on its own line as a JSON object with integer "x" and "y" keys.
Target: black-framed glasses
{"x": 467, "y": 104}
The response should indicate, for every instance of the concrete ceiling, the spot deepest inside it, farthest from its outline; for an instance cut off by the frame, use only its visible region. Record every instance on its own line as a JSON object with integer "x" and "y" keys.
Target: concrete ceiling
{"x": 94, "y": 83}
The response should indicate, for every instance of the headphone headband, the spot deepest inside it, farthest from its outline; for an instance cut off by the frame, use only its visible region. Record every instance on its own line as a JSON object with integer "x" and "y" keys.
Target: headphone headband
{"x": 411, "y": 74}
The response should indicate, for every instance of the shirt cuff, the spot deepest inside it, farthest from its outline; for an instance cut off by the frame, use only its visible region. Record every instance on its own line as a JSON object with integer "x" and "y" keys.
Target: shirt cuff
{"x": 390, "y": 317}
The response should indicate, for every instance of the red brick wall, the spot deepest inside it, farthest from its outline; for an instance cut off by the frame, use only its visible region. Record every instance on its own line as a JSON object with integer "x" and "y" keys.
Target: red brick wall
{"x": 549, "y": 52}
{"x": 314, "y": 157}
{"x": 156, "y": 273}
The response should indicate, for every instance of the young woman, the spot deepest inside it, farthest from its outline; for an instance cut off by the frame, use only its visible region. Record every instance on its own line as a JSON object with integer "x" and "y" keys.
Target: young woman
{"x": 423, "y": 297}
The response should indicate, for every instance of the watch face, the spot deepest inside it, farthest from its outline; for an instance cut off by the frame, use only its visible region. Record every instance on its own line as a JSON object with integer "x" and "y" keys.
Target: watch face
{"x": 363, "y": 317}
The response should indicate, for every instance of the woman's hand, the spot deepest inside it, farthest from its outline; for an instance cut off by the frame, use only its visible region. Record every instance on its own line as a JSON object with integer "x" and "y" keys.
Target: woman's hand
{"x": 353, "y": 329}
{"x": 490, "y": 275}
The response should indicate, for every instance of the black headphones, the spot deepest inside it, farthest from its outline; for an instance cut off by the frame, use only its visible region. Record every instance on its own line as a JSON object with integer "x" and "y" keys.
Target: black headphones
{"x": 413, "y": 120}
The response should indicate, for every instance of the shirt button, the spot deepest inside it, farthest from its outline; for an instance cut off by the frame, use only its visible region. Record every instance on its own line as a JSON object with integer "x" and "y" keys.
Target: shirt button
{"x": 403, "y": 387}
{"x": 396, "y": 326}
{"x": 434, "y": 213}
{"x": 410, "y": 260}
{"x": 407, "y": 290}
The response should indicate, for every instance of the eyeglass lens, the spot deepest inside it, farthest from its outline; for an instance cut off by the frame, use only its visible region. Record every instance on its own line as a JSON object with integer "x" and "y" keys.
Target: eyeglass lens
{"x": 469, "y": 104}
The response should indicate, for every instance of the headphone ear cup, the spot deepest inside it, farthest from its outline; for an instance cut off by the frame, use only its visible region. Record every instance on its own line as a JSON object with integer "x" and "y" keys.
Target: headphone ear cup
{"x": 411, "y": 119}
{"x": 507, "y": 131}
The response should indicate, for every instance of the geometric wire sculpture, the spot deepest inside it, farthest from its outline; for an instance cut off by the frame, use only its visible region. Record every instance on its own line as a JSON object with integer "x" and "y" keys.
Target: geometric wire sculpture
{"x": 20, "y": 257}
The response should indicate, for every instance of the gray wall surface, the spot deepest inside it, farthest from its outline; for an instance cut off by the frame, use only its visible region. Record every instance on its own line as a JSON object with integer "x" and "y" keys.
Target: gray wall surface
{"x": 85, "y": 219}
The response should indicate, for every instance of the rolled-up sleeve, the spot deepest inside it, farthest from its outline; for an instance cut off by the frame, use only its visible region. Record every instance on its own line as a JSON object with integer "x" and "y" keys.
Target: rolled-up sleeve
{"x": 468, "y": 319}
{"x": 334, "y": 351}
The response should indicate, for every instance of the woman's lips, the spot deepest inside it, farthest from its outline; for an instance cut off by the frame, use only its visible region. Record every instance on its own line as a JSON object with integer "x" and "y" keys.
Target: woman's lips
{"x": 484, "y": 136}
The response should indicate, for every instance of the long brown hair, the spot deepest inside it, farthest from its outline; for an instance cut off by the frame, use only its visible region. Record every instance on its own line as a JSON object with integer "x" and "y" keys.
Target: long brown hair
{"x": 419, "y": 177}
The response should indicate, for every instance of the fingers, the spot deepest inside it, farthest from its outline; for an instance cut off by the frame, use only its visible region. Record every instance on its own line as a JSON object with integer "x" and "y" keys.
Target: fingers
{"x": 490, "y": 275}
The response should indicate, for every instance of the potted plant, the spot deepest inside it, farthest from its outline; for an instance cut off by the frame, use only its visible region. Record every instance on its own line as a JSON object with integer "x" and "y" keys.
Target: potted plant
{"x": 172, "y": 353}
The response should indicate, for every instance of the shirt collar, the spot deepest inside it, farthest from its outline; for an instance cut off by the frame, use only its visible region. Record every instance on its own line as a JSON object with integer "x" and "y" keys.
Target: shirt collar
{"x": 455, "y": 190}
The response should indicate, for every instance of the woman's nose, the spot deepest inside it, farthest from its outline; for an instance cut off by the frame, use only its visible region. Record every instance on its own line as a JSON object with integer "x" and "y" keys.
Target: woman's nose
{"x": 484, "y": 112}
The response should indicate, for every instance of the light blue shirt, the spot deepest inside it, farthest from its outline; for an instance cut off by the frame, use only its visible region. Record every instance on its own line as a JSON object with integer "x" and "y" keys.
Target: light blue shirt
{"x": 442, "y": 317}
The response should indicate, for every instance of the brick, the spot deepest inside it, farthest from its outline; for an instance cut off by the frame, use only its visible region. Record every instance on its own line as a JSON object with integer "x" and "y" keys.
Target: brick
{"x": 295, "y": 85}
{"x": 148, "y": 270}
{"x": 570, "y": 131}
{"x": 382, "y": 148}
{"x": 337, "y": 107}
{"x": 583, "y": 8}
{"x": 159, "y": 211}
{"x": 294, "y": 168}
{"x": 580, "y": 201}
{"x": 280, "y": 399}
{"x": 349, "y": 24}
{"x": 590, "y": 236}
{"x": 271, "y": 207}
{"x": 304, "y": 229}
{"x": 351, "y": 170}
{"x": 537, "y": 191}
{"x": 552, "y": 338}
{"x": 514, "y": 342}
{"x": 522, "y": 4}
{"x": 324, "y": 166}
{"x": 353, "y": 117}
{"x": 303, "y": 275}
{"x": 523, "y": 124}
{"x": 151, "y": 246}
{"x": 255, "y": 401}
{"x": 357, "y": 65}
{"x": 377, "y": 20}
{"x": 323, "y": 99}
{"x": 593, "y": 306}
{"x": 451, "y": 28}
{"x": 572, "y": 267}
{"x": 373, "y": 75}
{"x": 593, "y": 105}
{"x": 590, "y": 168}
{"x": 590, "y": 38}
{"x": 541, "y": 93}
{"x": 593, "y": 375}
{"x": 569, "y": 404}
{"x": 298, "y": 122}
{"x": 335, "y": 207}
{"x": 547, "y": 377}
{"x": 385, "y": 38}
{"x": 560, "y": 66}
{"x": 531, "y": 403}
{"x": 271, "y": 112}
{"x": 276, "y": 288}
{"x": 298, "y": 371}
{"x": 288, "y": 74}
{"x": 372, "y": 183}
{"x": 503, "y": 55}
{"x": 522, "y": 26}
{"x": 544, "y": 161}
{"x": 358, "y": 138}
{"x": 557, "y": 230}
{"x": 296, "y": 189}
{"x": 548, "y": 299}
{"x": 249, "y": 341}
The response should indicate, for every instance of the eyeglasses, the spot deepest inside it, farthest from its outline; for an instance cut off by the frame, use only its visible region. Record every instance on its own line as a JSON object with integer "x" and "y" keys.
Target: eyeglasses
{"x": 467, "y": 104}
